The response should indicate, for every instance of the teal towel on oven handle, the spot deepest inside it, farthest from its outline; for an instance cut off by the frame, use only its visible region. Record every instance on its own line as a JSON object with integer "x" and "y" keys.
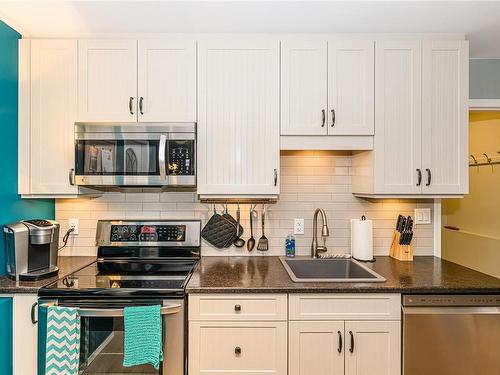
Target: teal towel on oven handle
{"x": 62, "y": 347}
{"x": 143, "y": 336}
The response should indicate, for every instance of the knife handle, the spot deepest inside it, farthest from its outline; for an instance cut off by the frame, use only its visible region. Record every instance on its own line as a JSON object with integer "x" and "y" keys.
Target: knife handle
{"x": 419, "y": 178}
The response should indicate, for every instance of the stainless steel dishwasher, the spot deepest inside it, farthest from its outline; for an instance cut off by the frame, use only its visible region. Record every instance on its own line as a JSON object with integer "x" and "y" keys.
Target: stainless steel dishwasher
{"x": 451, "y": 334}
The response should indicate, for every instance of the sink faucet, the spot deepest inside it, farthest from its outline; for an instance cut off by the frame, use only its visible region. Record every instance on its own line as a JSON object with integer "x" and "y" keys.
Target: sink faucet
{"x": 315, "y": 248}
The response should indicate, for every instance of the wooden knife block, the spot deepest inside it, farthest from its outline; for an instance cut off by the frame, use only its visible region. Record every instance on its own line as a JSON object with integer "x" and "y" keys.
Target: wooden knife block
{"x": 400, "y": 252}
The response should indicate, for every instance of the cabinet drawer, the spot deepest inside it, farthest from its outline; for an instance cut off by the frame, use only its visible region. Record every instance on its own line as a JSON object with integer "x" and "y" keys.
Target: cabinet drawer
{"x": 345, "y": 306}
{"x": 237, "y": 348}
{"x": 238, "y": 307}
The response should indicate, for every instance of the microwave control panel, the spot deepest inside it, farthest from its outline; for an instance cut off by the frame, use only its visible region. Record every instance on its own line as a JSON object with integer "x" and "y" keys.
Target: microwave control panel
{"x": 148, "y": 233}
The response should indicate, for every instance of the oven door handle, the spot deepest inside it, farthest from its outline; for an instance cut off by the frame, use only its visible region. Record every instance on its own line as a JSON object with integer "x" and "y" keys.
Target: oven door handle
{"x": 161, "y": 157}
{"x": 116, "y": 313}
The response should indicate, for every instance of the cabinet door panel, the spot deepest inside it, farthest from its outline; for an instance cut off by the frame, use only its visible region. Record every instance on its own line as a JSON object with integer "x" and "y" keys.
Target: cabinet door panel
{"x": 303, "y": 87}
{"x": 376, "y": 348}
{"x": 167, "y": 80}
{"x": 238, "y": 124}
{"x": 398, "y": 116}
{"x": 314, "y": 348}
{"x": 6, "y": 335}
{"x": 53, "y": 113}
{"x": 250, "y": 348}
{"x": 445, "y": 116}
{"x": 351, "y": 87}
{"x": 107, "y": 79}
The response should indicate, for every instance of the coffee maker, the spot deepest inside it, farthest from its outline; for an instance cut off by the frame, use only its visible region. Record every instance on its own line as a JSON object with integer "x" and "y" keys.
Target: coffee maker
{"x": 31, "y": 247}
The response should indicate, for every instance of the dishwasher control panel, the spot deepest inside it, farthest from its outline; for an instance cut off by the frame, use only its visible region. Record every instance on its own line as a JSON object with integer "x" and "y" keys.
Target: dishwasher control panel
{"x": 451, "y": 300}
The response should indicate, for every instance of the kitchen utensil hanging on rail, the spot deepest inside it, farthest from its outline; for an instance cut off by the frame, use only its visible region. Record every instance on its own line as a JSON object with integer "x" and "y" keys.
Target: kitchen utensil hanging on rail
{"x": 238, "y": 241}
{"x": 219, "y": 231}
{"x": 251, "y": 240}
{"x": 263, "y": 244}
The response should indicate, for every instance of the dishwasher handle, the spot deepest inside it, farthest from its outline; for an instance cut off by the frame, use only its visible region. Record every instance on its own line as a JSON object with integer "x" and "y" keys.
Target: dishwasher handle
{"x": 450, "y": 310}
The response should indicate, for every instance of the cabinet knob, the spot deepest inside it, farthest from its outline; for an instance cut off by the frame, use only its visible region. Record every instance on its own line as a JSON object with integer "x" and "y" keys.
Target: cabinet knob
{"x": 237, "y": 350}
{"x": 237, "y": 308}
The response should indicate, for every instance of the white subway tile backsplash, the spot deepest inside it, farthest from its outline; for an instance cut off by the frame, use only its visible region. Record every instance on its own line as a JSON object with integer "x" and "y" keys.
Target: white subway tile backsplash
{"x": 308, "y": 180}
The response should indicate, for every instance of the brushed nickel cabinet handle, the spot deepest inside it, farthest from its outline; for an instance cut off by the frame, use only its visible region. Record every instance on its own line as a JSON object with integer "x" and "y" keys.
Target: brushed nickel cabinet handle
{"x": 275, "y": 177}
{"x": 72, "y": 176}
{"x": 130, "y": 102}
{"x": 140, "y": 105}
{"x": 323, "y": 117}
{"x": 351, "y": 349}
{"x": 333, "y": 118}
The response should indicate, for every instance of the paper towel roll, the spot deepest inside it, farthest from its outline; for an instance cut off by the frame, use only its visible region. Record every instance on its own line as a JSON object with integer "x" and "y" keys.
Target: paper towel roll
{"x": 362, "y": 239}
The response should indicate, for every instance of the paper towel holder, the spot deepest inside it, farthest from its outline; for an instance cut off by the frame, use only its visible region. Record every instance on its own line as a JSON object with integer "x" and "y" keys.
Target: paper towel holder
{"x": 363, "y": 218}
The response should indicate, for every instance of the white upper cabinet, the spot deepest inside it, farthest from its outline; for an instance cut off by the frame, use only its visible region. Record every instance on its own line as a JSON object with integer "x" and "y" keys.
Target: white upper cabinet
{"x": 351, "y": 87}
{"x": 398, "y": 68}
{"x": 327, "y": 87}
{"x": 303, "y": 87}
{"x": 445, "y": 116}
{"x": 421, "y": 121}
{"x": 167, "y": 80}
{"x": 53, "y": 113}
{"x": 107, "y": 80}
{"x": 238, "y": 117}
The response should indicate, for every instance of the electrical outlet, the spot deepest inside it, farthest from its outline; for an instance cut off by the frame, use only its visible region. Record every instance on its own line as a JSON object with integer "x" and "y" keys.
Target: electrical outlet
{"x": 73, "y": 223}
{"x": 298, "y": 226}
{"x": 423, "y": 216}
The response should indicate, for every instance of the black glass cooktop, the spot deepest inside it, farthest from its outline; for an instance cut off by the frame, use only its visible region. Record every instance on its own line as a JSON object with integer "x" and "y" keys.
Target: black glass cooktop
{"x": 124, "y": 279}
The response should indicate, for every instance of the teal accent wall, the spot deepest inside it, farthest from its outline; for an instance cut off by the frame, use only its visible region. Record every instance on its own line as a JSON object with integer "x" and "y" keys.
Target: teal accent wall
{"x": 12, "y": 207}
{"x": 6, "y": 336}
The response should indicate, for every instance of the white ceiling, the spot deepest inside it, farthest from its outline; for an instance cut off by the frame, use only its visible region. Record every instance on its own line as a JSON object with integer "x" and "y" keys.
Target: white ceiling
{"x": 479, "y": 20}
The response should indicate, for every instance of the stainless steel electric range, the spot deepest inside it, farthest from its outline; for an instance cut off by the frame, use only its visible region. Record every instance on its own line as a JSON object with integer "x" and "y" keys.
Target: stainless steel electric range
{"x": 138, "y": 263}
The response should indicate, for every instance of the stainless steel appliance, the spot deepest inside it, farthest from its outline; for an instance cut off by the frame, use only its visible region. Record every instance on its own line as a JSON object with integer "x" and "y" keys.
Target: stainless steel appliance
{"x": 451, "y": 334}
{"x": 146, "y": 154}
{"x": 31, "y": 249}
{"x": 138, "y": 263}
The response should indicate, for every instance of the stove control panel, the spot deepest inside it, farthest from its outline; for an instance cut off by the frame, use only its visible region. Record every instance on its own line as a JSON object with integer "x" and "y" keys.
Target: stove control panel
{"x": 148, "y": 233}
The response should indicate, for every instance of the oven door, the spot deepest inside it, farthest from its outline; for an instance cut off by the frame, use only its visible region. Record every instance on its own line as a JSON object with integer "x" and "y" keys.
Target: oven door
{"x": 102, "y": 336}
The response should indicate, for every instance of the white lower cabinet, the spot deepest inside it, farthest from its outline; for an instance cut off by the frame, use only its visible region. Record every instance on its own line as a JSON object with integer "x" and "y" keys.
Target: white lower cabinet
{"x": 295, "y": 334}
{"x": 237, "y": 348}
{"x": 372, "y": 347}
{"x": 316, "y": 348}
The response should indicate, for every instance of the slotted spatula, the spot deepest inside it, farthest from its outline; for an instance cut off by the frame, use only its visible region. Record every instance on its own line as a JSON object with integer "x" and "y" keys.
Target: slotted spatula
{"x": 263, "y": 244}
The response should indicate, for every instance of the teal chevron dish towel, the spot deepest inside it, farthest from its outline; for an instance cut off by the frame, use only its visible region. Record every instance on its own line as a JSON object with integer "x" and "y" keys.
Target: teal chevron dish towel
{"x": 63, "y": 341}
{"x": 143, "y": 336}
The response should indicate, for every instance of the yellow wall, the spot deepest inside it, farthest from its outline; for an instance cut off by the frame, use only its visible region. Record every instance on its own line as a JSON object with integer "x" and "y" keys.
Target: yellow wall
{"x": 477, "y": 244}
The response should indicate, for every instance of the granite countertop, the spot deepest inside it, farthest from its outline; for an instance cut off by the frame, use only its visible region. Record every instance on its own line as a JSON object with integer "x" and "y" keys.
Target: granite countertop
{"x": 263, "y": 274}
{"x": 67, "y": 265}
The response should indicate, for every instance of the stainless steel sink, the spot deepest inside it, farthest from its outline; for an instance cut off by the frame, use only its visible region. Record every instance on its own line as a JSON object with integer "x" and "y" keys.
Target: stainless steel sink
{"x": 329, "y": 270}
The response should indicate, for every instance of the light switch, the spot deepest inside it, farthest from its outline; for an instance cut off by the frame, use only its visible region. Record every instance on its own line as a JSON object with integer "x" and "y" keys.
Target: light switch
{"x": 423, "y": 216}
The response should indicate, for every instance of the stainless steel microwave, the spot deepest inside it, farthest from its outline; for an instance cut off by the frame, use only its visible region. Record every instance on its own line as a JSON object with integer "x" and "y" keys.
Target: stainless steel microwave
{"x": 135, "y": 155}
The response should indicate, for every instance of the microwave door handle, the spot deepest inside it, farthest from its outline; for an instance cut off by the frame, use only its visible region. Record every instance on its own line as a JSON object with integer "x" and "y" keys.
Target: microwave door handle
{"x": 116, "y": 313}
{"x": 161, "y": 157}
